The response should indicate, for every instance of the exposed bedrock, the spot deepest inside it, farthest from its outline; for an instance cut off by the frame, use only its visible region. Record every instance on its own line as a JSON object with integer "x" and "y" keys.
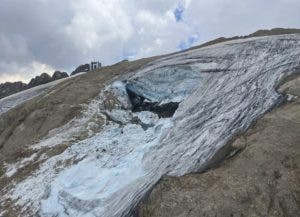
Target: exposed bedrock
{"x": 9, "y": 88}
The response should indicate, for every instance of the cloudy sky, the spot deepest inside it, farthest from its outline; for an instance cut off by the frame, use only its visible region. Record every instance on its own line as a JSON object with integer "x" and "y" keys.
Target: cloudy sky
{"x": 44, "y": 35}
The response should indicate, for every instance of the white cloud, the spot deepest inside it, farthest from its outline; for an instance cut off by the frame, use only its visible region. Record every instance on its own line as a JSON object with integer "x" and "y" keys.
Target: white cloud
{"x": 98, "y": 22}
{"x": 63, "y": 34}
{"x": 13, "y": 47}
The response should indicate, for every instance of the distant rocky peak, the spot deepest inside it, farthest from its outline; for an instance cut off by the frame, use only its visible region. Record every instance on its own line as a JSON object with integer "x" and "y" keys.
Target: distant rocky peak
{"x": 38, "y": 80}
{"x": 59, "y": 75}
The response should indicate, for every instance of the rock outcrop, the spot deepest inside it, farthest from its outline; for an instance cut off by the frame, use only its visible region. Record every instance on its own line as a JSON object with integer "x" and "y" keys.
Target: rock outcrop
{"x": 259, "y": 178}
{"x": 10, "y": 88}
{"x": 81, "y": 68}
{"x": 44, "y": 78}
{"x": 59, "y": 75}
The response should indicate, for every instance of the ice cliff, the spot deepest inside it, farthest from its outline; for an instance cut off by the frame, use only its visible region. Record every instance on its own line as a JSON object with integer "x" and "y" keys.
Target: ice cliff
{"x": 171, "y": 117}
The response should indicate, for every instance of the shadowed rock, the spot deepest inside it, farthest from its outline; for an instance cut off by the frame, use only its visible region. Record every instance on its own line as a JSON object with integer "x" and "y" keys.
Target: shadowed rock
{"x": 139, "y": 103}
{"x": 44, "y": 78}
{"x": 59, "y": 75}
{"x": 10, "y": 88}
{"x": 81, "y": 68}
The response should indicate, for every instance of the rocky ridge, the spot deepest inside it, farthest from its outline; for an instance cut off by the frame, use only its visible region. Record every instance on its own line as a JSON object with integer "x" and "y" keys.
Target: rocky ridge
{"x": 9, "y": 88}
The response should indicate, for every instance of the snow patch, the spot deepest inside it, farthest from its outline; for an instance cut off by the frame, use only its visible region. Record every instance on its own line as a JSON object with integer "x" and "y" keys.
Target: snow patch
{"x": 11, "y": 169}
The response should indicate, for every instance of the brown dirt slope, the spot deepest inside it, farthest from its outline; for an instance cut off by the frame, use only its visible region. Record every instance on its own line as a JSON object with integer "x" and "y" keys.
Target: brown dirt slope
{"x": 263, "y": 179}
{"x": 32, "y": 120}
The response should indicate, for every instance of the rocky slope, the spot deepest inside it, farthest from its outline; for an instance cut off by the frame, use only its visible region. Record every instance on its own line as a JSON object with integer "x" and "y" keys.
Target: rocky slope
{"x": 259, "y": 178}
{"x": 59, "y": 75}
{"x": 81, "y": 68}
{"x": 8, "y": 88}
{"x": 29, "y": 116}
{"x": 95, "y": 144}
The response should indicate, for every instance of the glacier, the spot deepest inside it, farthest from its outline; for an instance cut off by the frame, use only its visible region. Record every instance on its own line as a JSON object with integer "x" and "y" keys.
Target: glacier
{"x": 220, "y": 90}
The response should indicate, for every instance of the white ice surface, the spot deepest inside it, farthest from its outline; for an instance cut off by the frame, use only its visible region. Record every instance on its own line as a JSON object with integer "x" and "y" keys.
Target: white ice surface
{"x": 111, "y": 161}
{"x": 222, "y": 89}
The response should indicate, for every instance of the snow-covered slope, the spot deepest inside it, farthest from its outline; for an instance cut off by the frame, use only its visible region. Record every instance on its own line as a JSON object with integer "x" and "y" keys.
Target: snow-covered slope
{"x": 219, "y": 91}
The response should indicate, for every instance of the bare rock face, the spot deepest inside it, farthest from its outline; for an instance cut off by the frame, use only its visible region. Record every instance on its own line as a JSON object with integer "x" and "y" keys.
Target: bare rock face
{"x": 262, "y": 180}
{"x": 38, "y": 80}
{"x": 10, "y": 88}
{"x": 81, "y": 68}
{"x": 59, "y": 75}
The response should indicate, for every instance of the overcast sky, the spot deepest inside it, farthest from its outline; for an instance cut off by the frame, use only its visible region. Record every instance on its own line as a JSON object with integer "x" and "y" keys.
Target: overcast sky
{"x": 45, "y": 35}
